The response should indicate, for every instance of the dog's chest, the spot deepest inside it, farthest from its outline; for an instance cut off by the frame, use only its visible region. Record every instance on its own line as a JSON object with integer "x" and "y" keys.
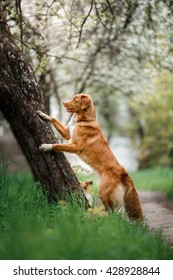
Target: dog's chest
{"x": 71, "y": 125}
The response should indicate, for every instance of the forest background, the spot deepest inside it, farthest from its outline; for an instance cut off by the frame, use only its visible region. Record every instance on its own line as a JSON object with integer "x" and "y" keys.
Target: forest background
{"x": 119, "y": 52}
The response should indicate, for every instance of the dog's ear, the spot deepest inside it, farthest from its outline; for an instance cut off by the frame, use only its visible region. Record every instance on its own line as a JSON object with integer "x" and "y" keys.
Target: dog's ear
{"x": 87, "y": 184}
{"x": 85, "y": 101}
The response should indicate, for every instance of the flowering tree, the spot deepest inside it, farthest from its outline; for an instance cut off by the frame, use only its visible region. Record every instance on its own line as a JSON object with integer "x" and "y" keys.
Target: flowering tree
{"x": 20, "y": 98}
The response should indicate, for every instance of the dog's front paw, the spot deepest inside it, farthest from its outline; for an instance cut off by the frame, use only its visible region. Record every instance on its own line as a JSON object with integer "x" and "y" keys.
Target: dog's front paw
{"x": 44, "y": 116}
{"x": 45, "y": 147}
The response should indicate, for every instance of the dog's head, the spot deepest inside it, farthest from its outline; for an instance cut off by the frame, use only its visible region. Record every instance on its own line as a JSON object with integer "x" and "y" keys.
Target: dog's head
{"x": 88, "y": 195}
{"x": 82, "y": 105}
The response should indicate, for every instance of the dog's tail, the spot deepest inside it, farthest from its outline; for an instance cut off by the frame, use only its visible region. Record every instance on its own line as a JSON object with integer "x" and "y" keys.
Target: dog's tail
{"x": 131, "y": 199}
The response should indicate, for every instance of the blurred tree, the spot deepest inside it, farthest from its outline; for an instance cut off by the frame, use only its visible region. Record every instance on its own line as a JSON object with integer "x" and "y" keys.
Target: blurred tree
{"x": 155, "y": 111}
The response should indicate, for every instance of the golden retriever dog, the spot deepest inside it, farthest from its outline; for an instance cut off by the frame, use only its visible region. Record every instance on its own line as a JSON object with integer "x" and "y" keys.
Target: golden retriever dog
{"x": 84, "y": 186}
{"x": 116, "y": 188}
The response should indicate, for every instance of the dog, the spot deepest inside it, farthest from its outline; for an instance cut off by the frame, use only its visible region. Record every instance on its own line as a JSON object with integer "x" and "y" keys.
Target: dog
{"x": 84, "y": 186}
{"x": 116, "y": 187}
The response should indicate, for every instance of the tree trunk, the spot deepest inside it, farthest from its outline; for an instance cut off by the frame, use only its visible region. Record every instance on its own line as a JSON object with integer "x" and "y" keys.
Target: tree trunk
{"x": 20, "y": 98}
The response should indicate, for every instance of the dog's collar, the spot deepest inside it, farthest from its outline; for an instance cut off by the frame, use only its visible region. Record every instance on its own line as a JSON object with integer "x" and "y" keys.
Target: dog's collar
{"x": 82, "y": 121}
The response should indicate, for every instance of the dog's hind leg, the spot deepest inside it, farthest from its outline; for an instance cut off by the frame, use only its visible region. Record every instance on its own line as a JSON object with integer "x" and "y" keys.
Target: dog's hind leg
{"x": 111, "y": 192}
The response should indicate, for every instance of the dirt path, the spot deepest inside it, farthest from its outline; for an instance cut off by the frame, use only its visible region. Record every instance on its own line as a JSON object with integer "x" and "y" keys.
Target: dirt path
{"x": 158, "y": 212}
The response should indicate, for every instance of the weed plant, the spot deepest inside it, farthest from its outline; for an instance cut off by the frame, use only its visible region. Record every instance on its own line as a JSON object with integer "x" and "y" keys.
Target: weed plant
{"x": 31, "y": 228}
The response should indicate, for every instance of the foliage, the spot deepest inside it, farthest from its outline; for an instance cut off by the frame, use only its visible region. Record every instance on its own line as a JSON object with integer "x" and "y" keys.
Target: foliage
{"x": 106, "y": 42}
{"x": 155, "y": 179}
{"x": 154, "y": 112}
{"x": 102, "y": 47}
{"x": 30, "y": 228}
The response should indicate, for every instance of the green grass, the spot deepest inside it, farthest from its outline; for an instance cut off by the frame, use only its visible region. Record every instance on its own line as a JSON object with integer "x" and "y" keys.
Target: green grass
{"x": 30, "y": 228}
{"x": 158, "y": 179}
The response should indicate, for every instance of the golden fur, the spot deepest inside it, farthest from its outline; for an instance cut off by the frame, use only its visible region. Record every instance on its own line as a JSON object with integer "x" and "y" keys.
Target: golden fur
{"x": 88, "y": 142}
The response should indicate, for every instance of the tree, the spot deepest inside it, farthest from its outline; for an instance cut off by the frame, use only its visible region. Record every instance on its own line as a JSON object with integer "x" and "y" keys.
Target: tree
{"x": 153, "y": 111}
{"x": 104, "y": 48}
{"x": 20, "y": 98}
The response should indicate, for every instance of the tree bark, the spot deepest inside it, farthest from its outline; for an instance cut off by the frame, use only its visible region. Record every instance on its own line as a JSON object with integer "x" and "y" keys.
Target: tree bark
{"x": 20, "y": 98}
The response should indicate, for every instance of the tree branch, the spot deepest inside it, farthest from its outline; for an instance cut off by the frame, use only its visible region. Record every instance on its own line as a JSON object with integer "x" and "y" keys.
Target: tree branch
{"x": 19, "y": 12}
{"x": 83, "y": 23}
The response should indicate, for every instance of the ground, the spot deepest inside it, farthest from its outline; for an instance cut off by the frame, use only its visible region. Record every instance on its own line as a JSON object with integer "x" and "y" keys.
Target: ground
{"x": 158, "y": 212}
